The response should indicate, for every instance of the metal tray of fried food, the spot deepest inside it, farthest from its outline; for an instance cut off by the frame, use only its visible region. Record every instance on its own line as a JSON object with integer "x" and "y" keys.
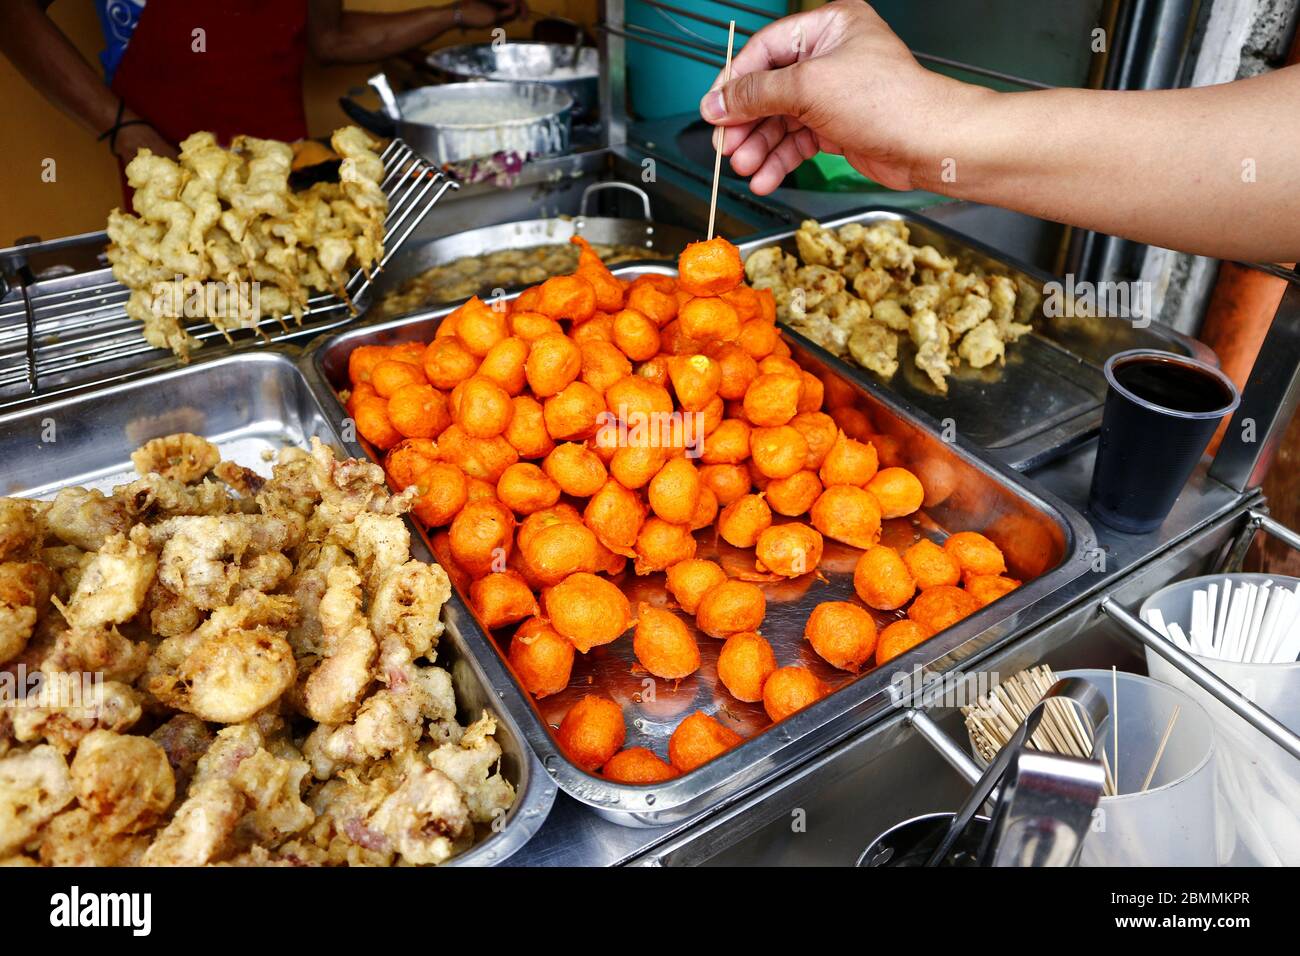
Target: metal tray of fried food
{"x": 1046, "y": 542}
{"x": 250, "y": 406}
{"x": 1047, "y": 397}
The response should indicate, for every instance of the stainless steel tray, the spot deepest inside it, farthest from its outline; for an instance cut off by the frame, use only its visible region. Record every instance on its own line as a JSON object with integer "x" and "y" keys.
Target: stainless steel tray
{"x": 247, "y": 405}
{"x": 1047, "y": 398}
{"x": 983, "y": 494}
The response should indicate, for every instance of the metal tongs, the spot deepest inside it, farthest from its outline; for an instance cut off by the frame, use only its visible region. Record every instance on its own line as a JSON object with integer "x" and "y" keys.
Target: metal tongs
{"x": 1045, "y": 801}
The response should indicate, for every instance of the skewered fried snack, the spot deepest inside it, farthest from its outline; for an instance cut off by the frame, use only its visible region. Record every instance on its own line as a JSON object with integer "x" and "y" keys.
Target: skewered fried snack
{"x": 271, "y": 692}
{"x": 220, "y": 236}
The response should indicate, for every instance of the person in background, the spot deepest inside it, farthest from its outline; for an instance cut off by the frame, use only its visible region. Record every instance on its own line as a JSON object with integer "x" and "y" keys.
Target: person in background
{"x": 172, "y": 67}
{"x": 1210, "y": 170}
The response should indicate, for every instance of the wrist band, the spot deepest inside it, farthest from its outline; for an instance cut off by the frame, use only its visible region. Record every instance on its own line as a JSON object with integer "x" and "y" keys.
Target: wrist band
{"x": 110, "y": 134}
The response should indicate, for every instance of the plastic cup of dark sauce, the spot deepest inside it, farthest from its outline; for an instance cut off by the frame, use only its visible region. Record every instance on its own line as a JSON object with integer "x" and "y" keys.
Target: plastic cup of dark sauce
{"x": 1161, "y": 411}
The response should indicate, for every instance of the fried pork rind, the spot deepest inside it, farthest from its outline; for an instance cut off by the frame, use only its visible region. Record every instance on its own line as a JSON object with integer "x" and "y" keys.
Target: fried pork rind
{"x": 949, "y": 316}
{"x": 112, "y": 587}
{"x": 183, "y": 456}
{"x": 125, "y": 781}
{"x": 34, "y": 785}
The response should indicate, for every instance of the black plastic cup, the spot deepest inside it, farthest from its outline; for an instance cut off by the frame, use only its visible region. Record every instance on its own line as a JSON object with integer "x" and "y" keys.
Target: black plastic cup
{"x": 1161, "y": 411}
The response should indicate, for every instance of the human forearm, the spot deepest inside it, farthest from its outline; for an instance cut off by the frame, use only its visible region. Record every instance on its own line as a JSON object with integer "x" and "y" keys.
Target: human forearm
{"x": 366, "y": 37}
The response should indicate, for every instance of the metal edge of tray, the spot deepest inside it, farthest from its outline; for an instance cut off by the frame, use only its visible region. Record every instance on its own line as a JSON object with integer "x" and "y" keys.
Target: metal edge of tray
{"x": 798, "y": 737}
{"x": 1053, "y": 441}
{"x": 535, "y": 792}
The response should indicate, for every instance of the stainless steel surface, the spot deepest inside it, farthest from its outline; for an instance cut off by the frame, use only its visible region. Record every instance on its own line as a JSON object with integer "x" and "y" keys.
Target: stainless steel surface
{"x": 1046, "y": 542}
{"x": 943, "y": 745}
{"x": 387, "y": 98}
{"x": 1268, "y": 401}
{"x": 247, "y": 405}
{"x": 1048, "y": 396}
{"x": 1210, "y": 682}
{"x": 1045, "y": 812}
{"x": 81, "y": 336}
{"x": 568, "y": 67}
{"x": 526, "y": 119}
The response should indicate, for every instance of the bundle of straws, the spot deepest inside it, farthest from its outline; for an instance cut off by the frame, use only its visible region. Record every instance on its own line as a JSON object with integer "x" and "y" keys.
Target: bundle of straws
{"x": 1251, "y": 623}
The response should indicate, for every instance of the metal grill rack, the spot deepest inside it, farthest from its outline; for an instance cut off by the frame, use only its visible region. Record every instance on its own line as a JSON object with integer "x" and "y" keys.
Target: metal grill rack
{"x": 72, "y": 332}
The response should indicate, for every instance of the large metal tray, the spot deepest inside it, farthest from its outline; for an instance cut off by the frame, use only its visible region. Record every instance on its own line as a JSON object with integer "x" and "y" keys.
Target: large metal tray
{"x": 984, "y": 495}
{"x": 1047, "y": 398}
{"x": 247, "y": 404}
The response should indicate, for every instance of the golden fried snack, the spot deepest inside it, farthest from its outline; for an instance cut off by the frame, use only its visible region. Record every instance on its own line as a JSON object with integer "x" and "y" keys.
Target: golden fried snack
{"x": 576, "y": 469}
{"x": 758, "y": 337}
{"x": 482, "y": 535}
{"x": 674, "y": 343}
{"x": 603, "y": 364}
{"x": 525, "y": 488}
{"x": 531, "y": 526}
{"x": 987, "y": 588}
{"x": 504, "y": 364}
{"x": 820, "y": 432}
{"x": 674, "y": 493}
{"x": 849, "y": 462}
{"x": 637, "y": 766}
{"x": 567, "y": 297}
{"x": 592, "y": 731}
{"x": 780, "y": 364}
{"x": 502, "y": 598}
{"x": 778, "y": 452}
{"x": 419, "y": 411}
{"x": 729, "y": 608}
{"x": 663, "y": 644}
{"x": 481, "y": 407}
{"x": 484, "y": 458}
{"x": 900, "y": 637}
{"x": 738, "y": 367}
{"x": 636, "y": 335}
{"x": 598, "y": 328}
{"x": 728, "y": 444}
{"x": 742, "y": 521}
{"x": 443, "y": 492}
{"x": 574, "y": 413}
{"x": 695, "y": 379}
{"x": 554, "y": 360}
{"x": 930, "y": 565}
{"x": 615, "y": 514}
{"x": 391, "y": 374}
{"x": 709, "y": 319}
{"x": 606, "y": 286}
{"x": 789, "y": 549}
{"x": 478, "y": 326}
{"x": 710, "y": 268}
{"x": 530, "y": 326}
{"x": 637, "y": 401}
{"x": 794, "y": 495}
{"x": 407, "y": 459}
{"x": 943, "y": 606}
{"x": 541, "y": 657}
{"x": 373, "y": 424}
{"x": 727, "y": 482}
{"x": 773, "y": 399}
{"x": 814, "y": 393}
{"x": 560, "y": 549}
{"x": 975, "y": 554}
{"x": 362, "y": 361}
{"x": 527, "y": 432}
{"x": 698, "y": 739}
{"x": 744, "y": 665}
{"x": 447, "y": 363}
{"x": 660, "y": 544}
{"x": 791, "y": 689}
{"x": 842, "y": 634}
{"x": 706, "y": 512}
{"x": 588, "y": 610}
{"x": 847, "y": 513}
{"x": 688, "y": 580}
{"x": 898, "y": 492}
{"x": 634, "y": 465}
{"x": 882, "y": 580}
{"x": 653, "y": 296}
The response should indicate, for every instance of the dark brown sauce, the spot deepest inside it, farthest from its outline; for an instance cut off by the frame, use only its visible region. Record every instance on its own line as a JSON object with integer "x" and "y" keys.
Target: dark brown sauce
{"x": 1172, "y": 385}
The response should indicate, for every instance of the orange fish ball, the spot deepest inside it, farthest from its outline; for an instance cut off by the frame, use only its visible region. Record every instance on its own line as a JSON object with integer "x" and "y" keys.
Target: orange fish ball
{"x": 772, "y": 399}
{"x": 710, "y": 268}
{"x": 820, "y": 432}
{"x": 592, "y": 732}
{"x": 728, "y": 444}
{"x": 660, "y": 544}
{"x": 930, "y": 565}
{"x": 778, "y": 452}
{"x": 362, "y": 361}
{"x": 542, "y": 658}
{"x": 576, "y": 469}
{"x": 781, "y": 365}
{"x": 479, "y": 326}
{"x": 504, "y": 364}
{"x": 637, "y": 766}
{"x": 709, "y": 319}
{"x": 695, "y": 380}
{"x": 757, "y": 337}
{"x": 698, "y": 739}
{"x": 443, "y": 492}
{"x": 848, "y": 462}
{"x": 615, "y": 514}
{"x": 654, "y": 299}
{"x": 554, "y": 361}
{"x": 706, "y": 511}
{"x": 793, "y": 496}
{"x": 731, "y": 607}
{"x": 742, "y": 521}
{"x": 849, "y": 514}
{"x": 599, "y": 328}
{"x": 560, "y": 549}
{"x": 897, "y": 490}
{"x": 842, "y": 634}
{"x": 674, "y": 342}
{"x": 942, "y": 606}
{"x": 533, "y": 325}
{"x": 882, "y": 580}
{"x": 635, "y": 335}
{"x": 407, "y": 459}
{"x": 527, "y": 432}
{"x": 603, "y": 365}
{"x": 447, "y": 363}
{"x": 987, "y": 588}
{"x": 567, "y": 297}
{"x": 791, "y": 689}
{"x": 588, "y": 610}
{"x": 574, "y": 413}
{"x": 482, "y": 535}
{"x": 789, "y": 549}
{"x": 744, "y": 665}
{"x": 419, "y": 411}
{"x": 727, "y": 482}
{"x": 606, "y": 285}
{"x": 674, "y": 492}
{"x": 638, "y": 401}
{"x": 738, "y": 367}
{"x": 391, "y": 374}
{"x": 374, "y": 425}
{"x": 482, "y": 407}
{"x": 975, "y": 554}
{"x": 525, "y": 488}
{"x": 688, "y": 580}
{"x": 663, "y": 644}
{"x": 899, "y": 638}
{"x": 502, "y": 598}
{"x": 814, "y": 392}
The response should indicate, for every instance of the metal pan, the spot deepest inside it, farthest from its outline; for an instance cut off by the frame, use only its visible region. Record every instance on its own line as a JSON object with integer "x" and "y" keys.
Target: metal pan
{"x": 573, "y": 69}
{"x": 1048, "y": 545}
{"x": 1047, "y": 398}
{"x": 247, "y": 404}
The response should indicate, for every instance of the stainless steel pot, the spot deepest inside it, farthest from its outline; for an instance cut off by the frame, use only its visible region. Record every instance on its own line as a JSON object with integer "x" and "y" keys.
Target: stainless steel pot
{"x": 458, "y": 121}
{"x": 573, "y": 69}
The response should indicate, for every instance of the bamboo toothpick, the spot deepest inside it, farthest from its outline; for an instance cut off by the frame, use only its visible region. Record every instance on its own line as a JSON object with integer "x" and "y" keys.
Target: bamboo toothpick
{"x": 1160, "y": 751}
{"x": 719, "y": 133}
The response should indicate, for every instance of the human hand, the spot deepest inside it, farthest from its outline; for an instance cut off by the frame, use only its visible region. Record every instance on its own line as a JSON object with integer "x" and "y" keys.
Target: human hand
{"x": 131, "y": 139}
{"x": 476, "y": 14}
{"x": 834, "y": 79}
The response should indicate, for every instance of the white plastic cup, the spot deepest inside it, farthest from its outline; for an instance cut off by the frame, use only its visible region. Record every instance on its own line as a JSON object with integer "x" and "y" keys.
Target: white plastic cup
{"x": 1257, "y": 782}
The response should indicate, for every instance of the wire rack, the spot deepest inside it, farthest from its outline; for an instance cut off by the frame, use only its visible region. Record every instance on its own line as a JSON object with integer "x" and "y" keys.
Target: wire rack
{"x": 72, "y": 332}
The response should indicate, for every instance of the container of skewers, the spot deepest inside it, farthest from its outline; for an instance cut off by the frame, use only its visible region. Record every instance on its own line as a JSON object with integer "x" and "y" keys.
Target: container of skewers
{"x": 1246, "y": 629}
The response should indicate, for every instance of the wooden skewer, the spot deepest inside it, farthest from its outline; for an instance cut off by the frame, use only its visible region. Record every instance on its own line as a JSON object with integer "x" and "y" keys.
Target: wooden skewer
{"x": 1114, "y": 718}
{"x": 1160, "y": 751}
{"x": 719, "y": 133}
